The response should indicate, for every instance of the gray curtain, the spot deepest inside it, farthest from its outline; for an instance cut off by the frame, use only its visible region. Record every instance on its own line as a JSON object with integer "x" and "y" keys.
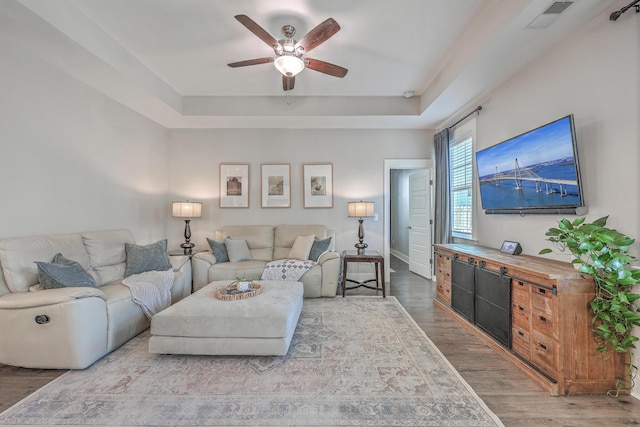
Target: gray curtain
{"x": 442, "y": 220}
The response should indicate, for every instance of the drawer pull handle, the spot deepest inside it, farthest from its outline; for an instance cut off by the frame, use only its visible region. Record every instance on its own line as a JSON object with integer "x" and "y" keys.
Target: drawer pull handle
{"x": 520, "y": 308}
{"x": 542, "y": 346}
{"x": 542, "y": 291}
{"x": 521, "y": 333}
{"x": 542, "y": 318}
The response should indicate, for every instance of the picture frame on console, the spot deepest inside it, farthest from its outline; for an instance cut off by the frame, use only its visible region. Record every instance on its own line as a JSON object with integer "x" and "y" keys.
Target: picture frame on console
{"x": 318, "y": 185}
{"x": 275, "y": 185}
{"x": 234, "y": 185}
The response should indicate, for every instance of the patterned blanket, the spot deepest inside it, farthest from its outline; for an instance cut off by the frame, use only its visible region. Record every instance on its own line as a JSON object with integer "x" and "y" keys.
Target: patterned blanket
{"x": 151, "y": 290}
{"x": 286, "y": 269}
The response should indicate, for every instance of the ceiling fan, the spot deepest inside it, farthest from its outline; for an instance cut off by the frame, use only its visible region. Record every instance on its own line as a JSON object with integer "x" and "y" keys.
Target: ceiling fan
{"x": 288, "y": 59}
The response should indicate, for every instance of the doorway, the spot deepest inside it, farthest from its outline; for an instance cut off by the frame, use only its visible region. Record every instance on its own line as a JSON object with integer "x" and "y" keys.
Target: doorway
{"x": 389, "y": 165}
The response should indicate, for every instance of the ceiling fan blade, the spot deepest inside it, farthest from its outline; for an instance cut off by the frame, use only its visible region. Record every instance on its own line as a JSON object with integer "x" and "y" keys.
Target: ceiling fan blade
{"x": 250, "y": 62}
{"x": 325, "y": 67}
{"x": 288, "y": 82}
{"x": 319, "y": 34}
{"x": 257, "y": 30}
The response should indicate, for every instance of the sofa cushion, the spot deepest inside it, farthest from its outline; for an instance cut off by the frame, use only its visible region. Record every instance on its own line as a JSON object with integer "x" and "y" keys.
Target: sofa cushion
{"x": 285, "y": 235}
{"x": 237, "y": 250}
{"x": 249, "y": 270}
{"x": 219, "y": 250}
{"x": 146, "y": 258}
{"x": 318, "y": 248}
{"x": 259, "y": 239}
{"x": 107, "y": 255}
{"x": 17, "y": 256}
{"x": 62, "y": 273}
{"x": 301, "y": 247}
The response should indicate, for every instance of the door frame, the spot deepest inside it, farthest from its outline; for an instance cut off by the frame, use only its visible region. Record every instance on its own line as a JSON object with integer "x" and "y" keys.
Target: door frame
{"x": 388, "y": 165}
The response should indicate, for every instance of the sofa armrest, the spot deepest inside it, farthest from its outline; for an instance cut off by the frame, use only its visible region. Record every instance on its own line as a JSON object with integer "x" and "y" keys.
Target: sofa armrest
{"x": 181, "y": 265}
{"x": 331, "y": 263}
{"x": 326, "y": 256}
{"x": 200, "y": 264}
{"x": 47, "y": 297}
{"x": 178, "y": 261}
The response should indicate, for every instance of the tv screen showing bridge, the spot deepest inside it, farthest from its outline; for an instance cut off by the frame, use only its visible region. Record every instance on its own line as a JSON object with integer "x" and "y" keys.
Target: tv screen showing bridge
{"x": 536, "y": 169}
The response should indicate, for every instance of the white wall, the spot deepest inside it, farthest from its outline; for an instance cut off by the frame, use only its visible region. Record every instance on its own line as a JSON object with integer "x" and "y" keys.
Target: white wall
{"x": 357, "y": 157}
{"x": 74, "y": 160}
{"x": 595, "y": 76}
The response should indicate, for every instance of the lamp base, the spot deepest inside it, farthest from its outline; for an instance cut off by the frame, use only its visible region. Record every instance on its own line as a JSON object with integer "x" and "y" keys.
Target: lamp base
{"x": 361, "y": 246}
{"x": 188, "y": 247}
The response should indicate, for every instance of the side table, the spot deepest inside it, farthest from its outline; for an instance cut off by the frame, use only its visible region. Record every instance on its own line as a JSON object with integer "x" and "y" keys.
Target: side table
{"x": 369, "y": 256}
{"x": 179, "y": 252}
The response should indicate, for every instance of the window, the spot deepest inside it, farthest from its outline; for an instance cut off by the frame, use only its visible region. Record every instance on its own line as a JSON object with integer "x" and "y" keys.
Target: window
{"x": 461, "y": 179}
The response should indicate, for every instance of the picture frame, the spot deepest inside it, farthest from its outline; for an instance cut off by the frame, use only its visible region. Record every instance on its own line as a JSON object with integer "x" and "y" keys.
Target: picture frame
{"x": 234, "y": 185}
{"x": 276, "y": 185}
{"x": 318, "y": 185}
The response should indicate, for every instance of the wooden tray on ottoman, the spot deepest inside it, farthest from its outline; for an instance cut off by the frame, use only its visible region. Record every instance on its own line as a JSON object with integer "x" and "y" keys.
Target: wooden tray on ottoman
{"x": 231, "y": 293}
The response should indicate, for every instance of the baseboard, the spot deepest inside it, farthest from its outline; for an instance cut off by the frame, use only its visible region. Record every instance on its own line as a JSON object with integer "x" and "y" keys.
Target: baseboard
{"x": 635, "y": 395}
{"x": 402, "y": 257}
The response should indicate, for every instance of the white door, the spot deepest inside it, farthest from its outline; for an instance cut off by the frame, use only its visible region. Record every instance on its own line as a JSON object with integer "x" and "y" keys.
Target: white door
{"x": 419, "y": 223}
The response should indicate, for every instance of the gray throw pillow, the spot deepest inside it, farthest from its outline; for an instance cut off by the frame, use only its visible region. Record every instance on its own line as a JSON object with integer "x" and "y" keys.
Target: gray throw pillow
{"x": 63, "y": 272}
{"x": 237, "y": 250}
{"x": 318, "y": 248}
{"x": 219, "y": 250}
{"x": 152, "y": 257}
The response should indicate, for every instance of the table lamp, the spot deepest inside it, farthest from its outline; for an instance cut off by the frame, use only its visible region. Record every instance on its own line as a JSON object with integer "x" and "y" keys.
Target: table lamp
{"x": 360, "y": 210}
{"x": 187, "y": 210}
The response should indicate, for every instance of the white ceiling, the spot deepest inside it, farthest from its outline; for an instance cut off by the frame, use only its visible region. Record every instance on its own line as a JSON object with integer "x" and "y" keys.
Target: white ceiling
{"x": 167, "y": 59}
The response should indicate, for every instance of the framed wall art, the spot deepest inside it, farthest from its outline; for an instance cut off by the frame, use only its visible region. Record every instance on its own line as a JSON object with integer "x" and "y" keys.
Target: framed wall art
{"x": 276, "y": 185}
{"x": 318, "y": 185}
{"x": 234, "y": 185}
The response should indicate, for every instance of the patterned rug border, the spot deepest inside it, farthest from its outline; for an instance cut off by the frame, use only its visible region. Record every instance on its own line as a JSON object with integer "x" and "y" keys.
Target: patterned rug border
{"x": 393, "y": 299}
{"x": 444, "y": 359}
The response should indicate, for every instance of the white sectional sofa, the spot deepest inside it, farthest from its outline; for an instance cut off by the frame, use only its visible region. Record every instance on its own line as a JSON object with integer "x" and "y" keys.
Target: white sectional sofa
{"x": 269, "y": 243}
{"x": 71, "y": 327}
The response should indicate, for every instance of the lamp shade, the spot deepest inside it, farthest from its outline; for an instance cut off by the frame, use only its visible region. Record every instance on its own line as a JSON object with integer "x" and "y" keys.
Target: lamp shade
{"x": 289, "y": 65}
{"x": 187, "y": 209}
{"x": 360, "y": 209}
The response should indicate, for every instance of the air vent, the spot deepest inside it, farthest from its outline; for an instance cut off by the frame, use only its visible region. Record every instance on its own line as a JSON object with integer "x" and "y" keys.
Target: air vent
{"x": 558, "y": 7}
{"x": 548, "y": 17}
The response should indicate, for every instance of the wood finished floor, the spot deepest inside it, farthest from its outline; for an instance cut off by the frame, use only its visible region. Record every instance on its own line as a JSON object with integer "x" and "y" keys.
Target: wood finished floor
{"x": 508, "y": 392}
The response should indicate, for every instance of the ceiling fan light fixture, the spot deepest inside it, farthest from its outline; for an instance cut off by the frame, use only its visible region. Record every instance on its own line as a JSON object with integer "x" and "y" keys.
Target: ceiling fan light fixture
{"x": 289, "y": 65}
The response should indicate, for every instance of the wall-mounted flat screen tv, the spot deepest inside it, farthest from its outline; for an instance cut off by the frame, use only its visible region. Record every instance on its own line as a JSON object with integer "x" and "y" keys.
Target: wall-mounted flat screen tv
{"x": 536, "y": 172}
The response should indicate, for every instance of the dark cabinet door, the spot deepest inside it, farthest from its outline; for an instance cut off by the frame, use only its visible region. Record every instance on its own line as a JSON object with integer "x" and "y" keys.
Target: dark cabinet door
{"x": 493, "y": 304}
{"x": 462, "y": 288}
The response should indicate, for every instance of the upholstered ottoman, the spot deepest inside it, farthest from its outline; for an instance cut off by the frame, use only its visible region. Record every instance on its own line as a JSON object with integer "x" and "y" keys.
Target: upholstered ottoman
{"x": 202, "y": 324}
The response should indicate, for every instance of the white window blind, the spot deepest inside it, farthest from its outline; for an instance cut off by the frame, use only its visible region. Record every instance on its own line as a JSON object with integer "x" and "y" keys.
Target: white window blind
{"x": 461, "y": 169}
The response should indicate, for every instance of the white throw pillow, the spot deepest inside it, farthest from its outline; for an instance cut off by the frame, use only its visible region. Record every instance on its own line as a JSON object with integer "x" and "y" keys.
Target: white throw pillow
{"x": 237, "y": 250}
{"x": 301, "y": 247}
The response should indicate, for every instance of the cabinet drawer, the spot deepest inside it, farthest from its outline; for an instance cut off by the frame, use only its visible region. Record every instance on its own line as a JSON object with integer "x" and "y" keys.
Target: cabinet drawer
{"x": 543, "y": 300}
{"x": 444, "y": 296}
{"x": 520, "y": 343}
{"x": 544, "y": 352}
{"x": 520, "y": 318}
{"x": 521, "y": 291}
{"x": 544, "y": 324}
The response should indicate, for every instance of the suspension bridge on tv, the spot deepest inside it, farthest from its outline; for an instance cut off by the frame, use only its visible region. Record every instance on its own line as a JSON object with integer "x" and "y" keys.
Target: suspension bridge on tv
{"x": 521, "y": 174}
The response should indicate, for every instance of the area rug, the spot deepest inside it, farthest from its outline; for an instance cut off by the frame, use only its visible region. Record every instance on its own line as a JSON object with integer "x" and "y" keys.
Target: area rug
{"x": 352, "y": 361}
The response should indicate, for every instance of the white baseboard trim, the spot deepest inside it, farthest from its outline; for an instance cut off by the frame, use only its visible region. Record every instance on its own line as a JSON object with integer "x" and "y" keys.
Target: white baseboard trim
{"x": 402, "y": 257}
{"x": 635, "y": 395}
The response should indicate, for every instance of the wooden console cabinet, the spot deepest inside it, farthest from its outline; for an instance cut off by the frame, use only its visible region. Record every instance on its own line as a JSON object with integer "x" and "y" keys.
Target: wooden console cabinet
{"x": 540, "y": 307}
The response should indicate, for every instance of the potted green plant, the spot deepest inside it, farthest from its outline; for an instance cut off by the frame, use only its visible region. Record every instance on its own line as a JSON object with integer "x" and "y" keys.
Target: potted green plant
{"x": 603, "y": 253}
